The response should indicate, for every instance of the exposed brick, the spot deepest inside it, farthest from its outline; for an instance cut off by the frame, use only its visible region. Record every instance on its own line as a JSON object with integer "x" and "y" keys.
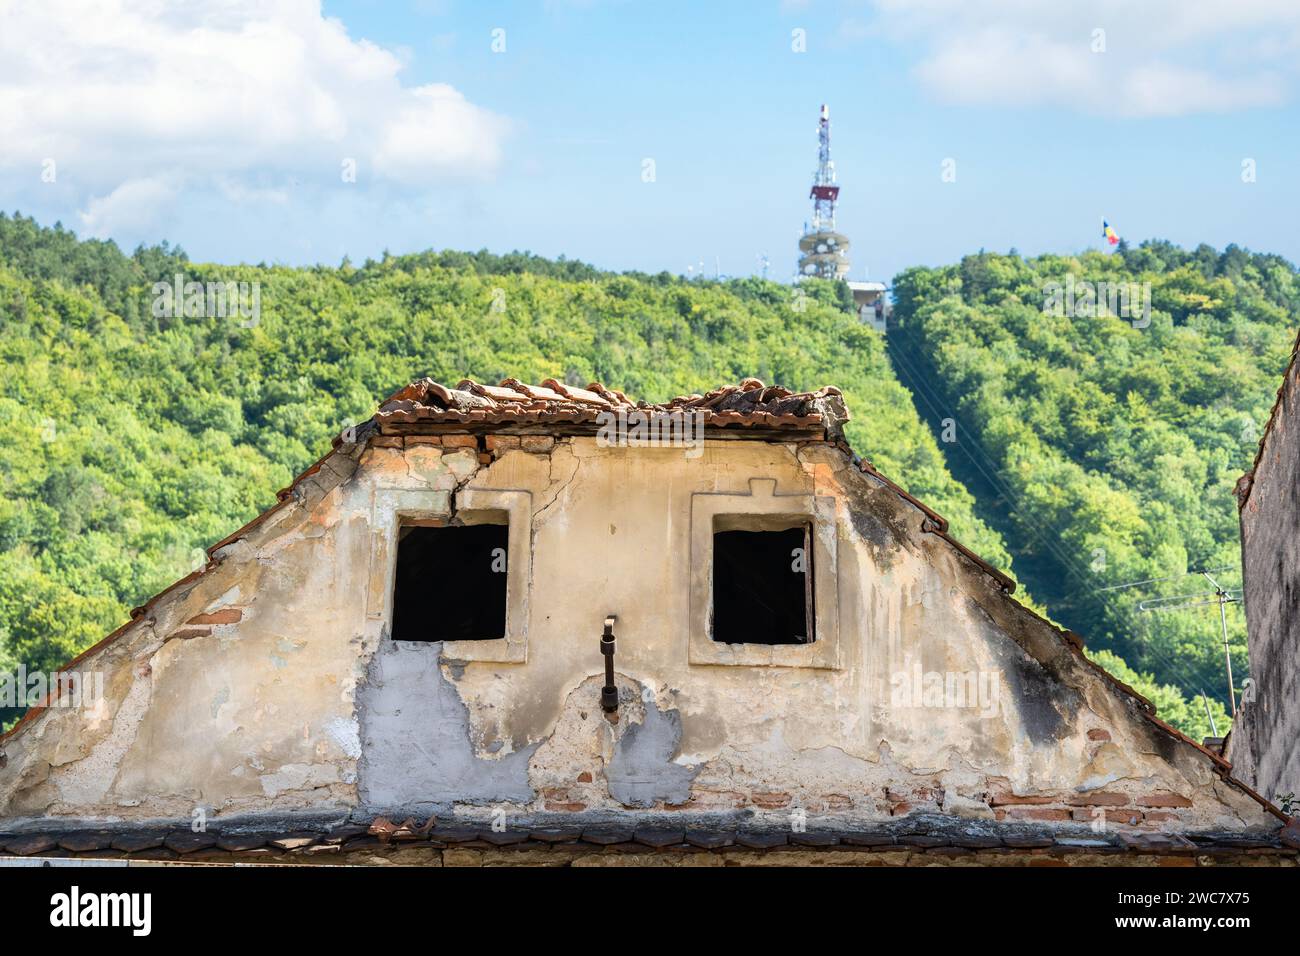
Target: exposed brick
{"x": 387, "y": 441}
{"x": 560, "y": 798}
{"x": 484, "y": 458}
{"x": 226, "y": 615}
{"x": 837, "y": 801}
{"x": 584, "y": 777}
{"x": 190, "y": 632}
{"x": 459, "y": 441}
{"x": 502, "y": 442}
{"x": 918, "y": 795}
{"x": 1097, "y": 734}
{"x": 423, "y": 440}
{"x": 710, "y": 799}
{"x": 1001, "y": 798}
{"x": 1038, "y": 813}
{"x": 1098, "y": 798}
{"x": 1161, "y": 816}
{"x": 901, "y": 809}
{"x": 1163, "y": 799}
{"x": 569, "y": 807}
{"x": 536, "y": 443}
{"x": 771, "y": 801}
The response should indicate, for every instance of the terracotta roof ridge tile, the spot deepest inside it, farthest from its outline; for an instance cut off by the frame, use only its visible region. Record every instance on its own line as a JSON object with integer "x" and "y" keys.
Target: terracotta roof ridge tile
{"x": 576, "y": 394}
{"x": 532, "y": 391}
{"x": 611, "y": 395}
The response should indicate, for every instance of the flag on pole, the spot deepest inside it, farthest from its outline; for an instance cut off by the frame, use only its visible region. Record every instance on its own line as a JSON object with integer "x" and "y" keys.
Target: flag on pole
{"x": 1110, "y": 235}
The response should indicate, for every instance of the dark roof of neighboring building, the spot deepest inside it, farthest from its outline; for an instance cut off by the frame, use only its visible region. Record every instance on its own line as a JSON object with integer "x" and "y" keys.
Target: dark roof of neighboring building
{"x": 912, "y": 841}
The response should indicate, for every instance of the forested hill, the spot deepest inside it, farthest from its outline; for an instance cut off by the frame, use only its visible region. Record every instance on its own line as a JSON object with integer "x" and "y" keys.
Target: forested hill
{"x": 1105, "y": 448}
{"x": 131, "y": 442}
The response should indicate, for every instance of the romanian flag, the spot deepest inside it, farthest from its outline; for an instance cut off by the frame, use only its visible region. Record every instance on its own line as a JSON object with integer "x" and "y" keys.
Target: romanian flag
{"x": 1111, "y": 236}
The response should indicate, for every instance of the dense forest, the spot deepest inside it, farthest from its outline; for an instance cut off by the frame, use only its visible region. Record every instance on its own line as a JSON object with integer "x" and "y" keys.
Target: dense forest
{"x": 135, "y": 440}
{"x": 1105, "y": 447}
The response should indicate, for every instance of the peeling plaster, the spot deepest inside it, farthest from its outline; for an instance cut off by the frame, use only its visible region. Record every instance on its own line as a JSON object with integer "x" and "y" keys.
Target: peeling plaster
{"x": 643, "y": 770}
{"x": 415, "y": 738}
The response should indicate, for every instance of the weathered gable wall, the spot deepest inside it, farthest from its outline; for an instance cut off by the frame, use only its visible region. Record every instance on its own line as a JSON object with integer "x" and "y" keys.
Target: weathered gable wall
{"x": 268, "y": 684}
{"x": 233, "y": 691}
{"x": 1265, "y": 741}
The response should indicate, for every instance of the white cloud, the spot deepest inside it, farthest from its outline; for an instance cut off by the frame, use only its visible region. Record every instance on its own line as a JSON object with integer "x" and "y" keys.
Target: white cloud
{"x": 1161, "y": 57}
{"x": 133, "y": 207}
{"x": 137, "y": 100}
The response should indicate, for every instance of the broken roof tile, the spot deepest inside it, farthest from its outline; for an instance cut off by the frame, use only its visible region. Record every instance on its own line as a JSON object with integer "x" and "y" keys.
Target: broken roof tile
{"x": 748, "y": 404}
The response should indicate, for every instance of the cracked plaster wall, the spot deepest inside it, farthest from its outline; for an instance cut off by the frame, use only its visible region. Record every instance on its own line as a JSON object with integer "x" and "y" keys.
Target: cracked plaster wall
{"x": 300, "y": 703}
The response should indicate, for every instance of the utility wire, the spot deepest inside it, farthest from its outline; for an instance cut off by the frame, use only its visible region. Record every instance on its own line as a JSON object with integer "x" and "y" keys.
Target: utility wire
{"x": 1038, "y": 529}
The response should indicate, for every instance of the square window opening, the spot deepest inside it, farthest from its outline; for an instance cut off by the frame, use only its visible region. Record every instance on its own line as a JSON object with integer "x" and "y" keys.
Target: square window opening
{"x": 762, "y": 586}
{"x": 450, "y": 583}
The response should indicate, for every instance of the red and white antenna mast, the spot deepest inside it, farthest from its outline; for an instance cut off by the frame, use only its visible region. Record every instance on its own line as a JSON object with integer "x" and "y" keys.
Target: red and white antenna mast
{"x": 824, "y": 252}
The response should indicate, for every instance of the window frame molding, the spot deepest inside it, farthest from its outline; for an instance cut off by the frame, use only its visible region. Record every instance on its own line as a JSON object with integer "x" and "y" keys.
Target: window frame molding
{"x": 762, "y": 505}
{"x": 393, "y": 507}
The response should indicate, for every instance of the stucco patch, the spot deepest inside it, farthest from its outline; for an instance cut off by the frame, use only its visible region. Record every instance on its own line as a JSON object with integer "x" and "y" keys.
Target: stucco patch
{"x": 642, "y": 770}
{"x": 297, "y": 776}
{"x": 86, "y": 781}
{"x": 415, "y": 732}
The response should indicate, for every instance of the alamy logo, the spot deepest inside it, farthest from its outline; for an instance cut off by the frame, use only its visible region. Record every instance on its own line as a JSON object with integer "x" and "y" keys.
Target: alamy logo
{"x": 1089, "y": 300}
{"x": 72, "y": 689}
{"x": 73, "y": 909}
{"x": 652, "y": 429}
{"x": 207, "y": 300}
{"x": 976, "y": 690}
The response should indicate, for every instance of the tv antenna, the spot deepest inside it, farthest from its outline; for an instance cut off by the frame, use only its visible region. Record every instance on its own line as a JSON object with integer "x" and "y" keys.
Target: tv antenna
{"x": 1176, "y": 602}
{"x": 1214, "y": 730}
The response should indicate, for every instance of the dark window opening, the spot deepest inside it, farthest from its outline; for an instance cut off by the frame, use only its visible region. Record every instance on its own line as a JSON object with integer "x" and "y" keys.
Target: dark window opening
{"x": 450, "y": 583}
{"x": 762, "y": 587}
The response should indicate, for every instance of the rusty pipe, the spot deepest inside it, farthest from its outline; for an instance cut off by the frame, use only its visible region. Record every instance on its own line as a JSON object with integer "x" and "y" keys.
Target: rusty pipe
{"x": 609, "y": 693}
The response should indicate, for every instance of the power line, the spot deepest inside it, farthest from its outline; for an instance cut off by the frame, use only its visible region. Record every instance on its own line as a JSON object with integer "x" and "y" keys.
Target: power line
{"x": 1071, "y": 564}
{"x": 1171, "y": 577}
{"x": 1222, "y": 597}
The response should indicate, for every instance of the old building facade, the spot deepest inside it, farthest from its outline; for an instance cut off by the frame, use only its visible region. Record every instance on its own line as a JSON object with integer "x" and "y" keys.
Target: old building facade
{"x": 801, "y": 653}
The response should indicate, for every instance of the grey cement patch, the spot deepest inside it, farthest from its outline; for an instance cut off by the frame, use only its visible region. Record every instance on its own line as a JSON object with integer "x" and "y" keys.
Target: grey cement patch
{"x": 416, "y": 750}
{"x": 641, "y": 771}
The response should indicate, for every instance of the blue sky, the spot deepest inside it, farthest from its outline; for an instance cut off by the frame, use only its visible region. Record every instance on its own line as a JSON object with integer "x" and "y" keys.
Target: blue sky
{"x": 224, "y": 126}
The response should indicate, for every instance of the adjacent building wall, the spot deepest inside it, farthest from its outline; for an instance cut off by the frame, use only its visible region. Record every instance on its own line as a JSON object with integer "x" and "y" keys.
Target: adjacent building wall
{"x": 268, "y": 684}
{"x": 1265, "y": 743}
